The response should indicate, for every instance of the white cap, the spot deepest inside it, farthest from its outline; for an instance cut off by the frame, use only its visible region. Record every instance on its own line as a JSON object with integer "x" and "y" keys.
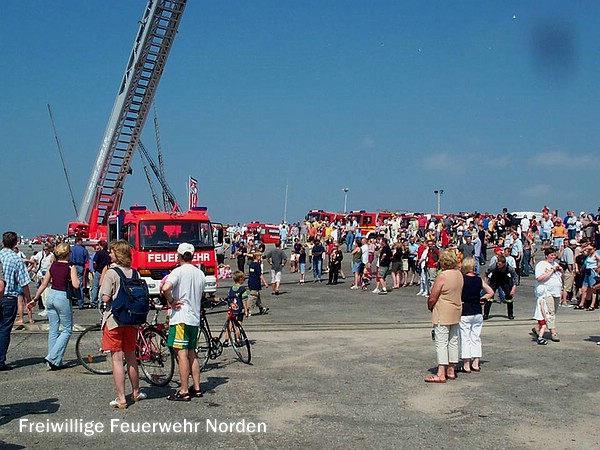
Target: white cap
{"x": 184, "y": 248}
{"x": 573, "y": 242}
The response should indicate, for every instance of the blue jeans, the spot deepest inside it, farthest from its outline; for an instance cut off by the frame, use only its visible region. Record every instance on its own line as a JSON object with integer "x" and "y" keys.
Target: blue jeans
{"x": 95, "y": 288}
{"x": 60, "y": 313}
{"x": 80, "y": 271}
{"x": 349, "y": 241}
{"x": 317, "y": 268}
{"x": 8, "y": 314}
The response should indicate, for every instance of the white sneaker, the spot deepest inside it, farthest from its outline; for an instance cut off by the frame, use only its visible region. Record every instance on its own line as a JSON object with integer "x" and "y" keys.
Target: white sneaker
{"x": 383, "y": 291}
{"x": 376, "y": 291}
{"x": 353, "y": 287}
{"x": 420, "y": 293}
{"x": 425, "y": 294}
{"x": 43, "y": 313}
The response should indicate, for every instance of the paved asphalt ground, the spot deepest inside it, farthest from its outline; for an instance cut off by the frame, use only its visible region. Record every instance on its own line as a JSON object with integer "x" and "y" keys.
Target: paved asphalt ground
{"x": 334, "y": 368}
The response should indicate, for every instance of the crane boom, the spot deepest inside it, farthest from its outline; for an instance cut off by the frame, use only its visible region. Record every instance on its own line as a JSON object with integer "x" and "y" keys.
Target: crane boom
{"x": 151, "y": 183}
{"x": 171, "y": 202}
{"x": 161, "y": 165}
{"x": 145, "y": 66}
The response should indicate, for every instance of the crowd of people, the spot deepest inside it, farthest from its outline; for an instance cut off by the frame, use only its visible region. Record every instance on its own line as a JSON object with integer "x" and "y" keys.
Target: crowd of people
{"x": 431, "y": 252}
{"x": 444, "y": 256}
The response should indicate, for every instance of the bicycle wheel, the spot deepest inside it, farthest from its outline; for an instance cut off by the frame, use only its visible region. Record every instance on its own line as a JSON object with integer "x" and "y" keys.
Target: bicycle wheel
{"x": 239, "y": 341}
{"x": 203, "y": 347}
{"x": 155, "y": 357}
{"x": 89, "y": 351}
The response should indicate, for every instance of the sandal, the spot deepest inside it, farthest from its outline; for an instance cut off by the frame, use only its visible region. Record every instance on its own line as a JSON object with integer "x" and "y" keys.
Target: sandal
{"x": 579, "y": 307}
{"x": 590, "y": 309}
{"x": 195, "y": 393}
{"x": 141, "y": 396}
{"x": 434, "y": 379}
{"x": 476, "y": 369}
{"x": 534, "y": 331}
{"x": 179, "y": 397}
{"x": 118, "y": 405}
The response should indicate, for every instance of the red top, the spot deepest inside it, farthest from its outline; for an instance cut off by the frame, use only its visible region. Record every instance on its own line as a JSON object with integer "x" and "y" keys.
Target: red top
{"x": 60, "y": 273}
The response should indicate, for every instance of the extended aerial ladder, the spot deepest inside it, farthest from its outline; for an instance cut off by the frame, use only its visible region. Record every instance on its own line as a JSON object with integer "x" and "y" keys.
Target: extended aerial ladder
{"x": 145, "y": 66}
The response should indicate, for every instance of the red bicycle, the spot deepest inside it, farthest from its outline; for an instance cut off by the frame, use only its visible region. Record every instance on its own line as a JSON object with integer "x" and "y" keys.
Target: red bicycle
{"x": 156, "y": 359}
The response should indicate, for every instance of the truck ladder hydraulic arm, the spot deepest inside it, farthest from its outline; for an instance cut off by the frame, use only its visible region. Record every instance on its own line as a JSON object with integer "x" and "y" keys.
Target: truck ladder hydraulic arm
{"x": 154, "y": 40}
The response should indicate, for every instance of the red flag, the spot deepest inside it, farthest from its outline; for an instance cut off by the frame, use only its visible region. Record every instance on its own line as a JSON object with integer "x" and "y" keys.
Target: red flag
{"x": 193, "y": 189}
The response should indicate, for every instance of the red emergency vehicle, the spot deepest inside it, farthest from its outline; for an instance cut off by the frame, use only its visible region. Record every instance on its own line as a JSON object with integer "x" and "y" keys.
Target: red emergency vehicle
{"x": 269, "y": 233}
{"x": 369, "y": 222}
{"x": 320, "y": 216}
{"x": 155, "y": 236}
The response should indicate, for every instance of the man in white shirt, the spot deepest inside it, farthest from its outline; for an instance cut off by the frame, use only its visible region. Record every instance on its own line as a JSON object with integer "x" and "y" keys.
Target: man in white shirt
{"x": 183, "y": 291}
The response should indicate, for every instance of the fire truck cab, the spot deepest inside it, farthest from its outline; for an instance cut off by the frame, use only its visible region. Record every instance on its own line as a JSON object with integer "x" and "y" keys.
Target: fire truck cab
{"x": 155, "y": 236}
{"x": 369, "y": 222}
{"x": 319, "y": 215}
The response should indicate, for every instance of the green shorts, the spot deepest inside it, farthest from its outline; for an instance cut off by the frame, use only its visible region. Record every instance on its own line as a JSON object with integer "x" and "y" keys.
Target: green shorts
{"x": 182, "y": 336}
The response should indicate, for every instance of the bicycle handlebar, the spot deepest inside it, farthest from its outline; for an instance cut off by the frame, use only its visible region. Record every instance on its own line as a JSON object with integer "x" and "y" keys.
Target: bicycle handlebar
{"x": 216, "y": 302}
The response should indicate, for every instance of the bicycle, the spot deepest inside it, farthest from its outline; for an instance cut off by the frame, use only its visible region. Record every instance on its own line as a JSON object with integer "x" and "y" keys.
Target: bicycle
{"x": 209, "y": 347}
{"x": 156, "y": 359}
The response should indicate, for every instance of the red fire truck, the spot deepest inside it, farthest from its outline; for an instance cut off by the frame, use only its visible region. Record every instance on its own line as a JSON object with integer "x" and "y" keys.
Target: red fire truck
{"x": 368, "y": 222}
{"x": 269, "y": 233}
{"x": 153, "y": 236}
{"x": 320, "y": 215}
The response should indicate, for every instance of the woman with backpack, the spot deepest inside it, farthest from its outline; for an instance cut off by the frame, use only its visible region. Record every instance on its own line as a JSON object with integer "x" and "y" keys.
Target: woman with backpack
{"x": 58, "y": 306}
{"x": 118, "y": 338}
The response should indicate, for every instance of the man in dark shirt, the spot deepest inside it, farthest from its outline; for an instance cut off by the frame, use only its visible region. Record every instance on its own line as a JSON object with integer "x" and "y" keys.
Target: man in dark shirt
{"x": 467, "y": 248}
{"x": 385, "y": 258}
{"x": 501, "y": 275}
{"x": 255, "y": 282}
{"x": 80, "y": 258}
{"x": 101, "y": 261}
{"x": 317, "y": 259}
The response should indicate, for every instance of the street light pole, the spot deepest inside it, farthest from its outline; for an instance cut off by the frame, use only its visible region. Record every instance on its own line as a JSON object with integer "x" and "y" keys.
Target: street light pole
{"x": 439, "y": 193}
{"x": 345, "y": 191}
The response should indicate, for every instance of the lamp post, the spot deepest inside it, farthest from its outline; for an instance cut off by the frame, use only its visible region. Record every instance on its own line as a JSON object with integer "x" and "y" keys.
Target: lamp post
{"x": 439, "y": 193}
{"x": 345, "y": 191}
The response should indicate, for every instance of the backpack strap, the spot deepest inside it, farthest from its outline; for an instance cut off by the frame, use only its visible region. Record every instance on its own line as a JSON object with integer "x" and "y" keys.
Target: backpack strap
{"x": 134, "y": 276}
{"x": 134, "y": 273}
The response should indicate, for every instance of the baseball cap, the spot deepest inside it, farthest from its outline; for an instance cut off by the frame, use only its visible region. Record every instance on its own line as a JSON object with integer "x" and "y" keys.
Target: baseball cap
{"x": 498, "y": 250}
{"x": 185, "y": 247}
{"x": 573, "y": 242}
{"x": 467, "y": 234}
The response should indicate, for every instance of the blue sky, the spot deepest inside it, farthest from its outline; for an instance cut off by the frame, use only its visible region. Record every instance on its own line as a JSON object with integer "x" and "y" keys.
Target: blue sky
{"x": 496, "y": 103}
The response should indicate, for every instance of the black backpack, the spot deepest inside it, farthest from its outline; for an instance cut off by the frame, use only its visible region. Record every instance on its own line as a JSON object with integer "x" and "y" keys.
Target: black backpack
{"x": 132, "y": 303}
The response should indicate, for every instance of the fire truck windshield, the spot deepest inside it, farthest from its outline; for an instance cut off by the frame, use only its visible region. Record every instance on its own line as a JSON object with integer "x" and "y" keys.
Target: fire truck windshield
{"x": 168, "y": 234}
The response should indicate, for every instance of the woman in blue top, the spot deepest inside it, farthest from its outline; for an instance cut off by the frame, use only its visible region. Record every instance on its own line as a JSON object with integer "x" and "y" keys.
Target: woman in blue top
{"x": 590, "y": 273}
{"x": 471, "y": 320}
